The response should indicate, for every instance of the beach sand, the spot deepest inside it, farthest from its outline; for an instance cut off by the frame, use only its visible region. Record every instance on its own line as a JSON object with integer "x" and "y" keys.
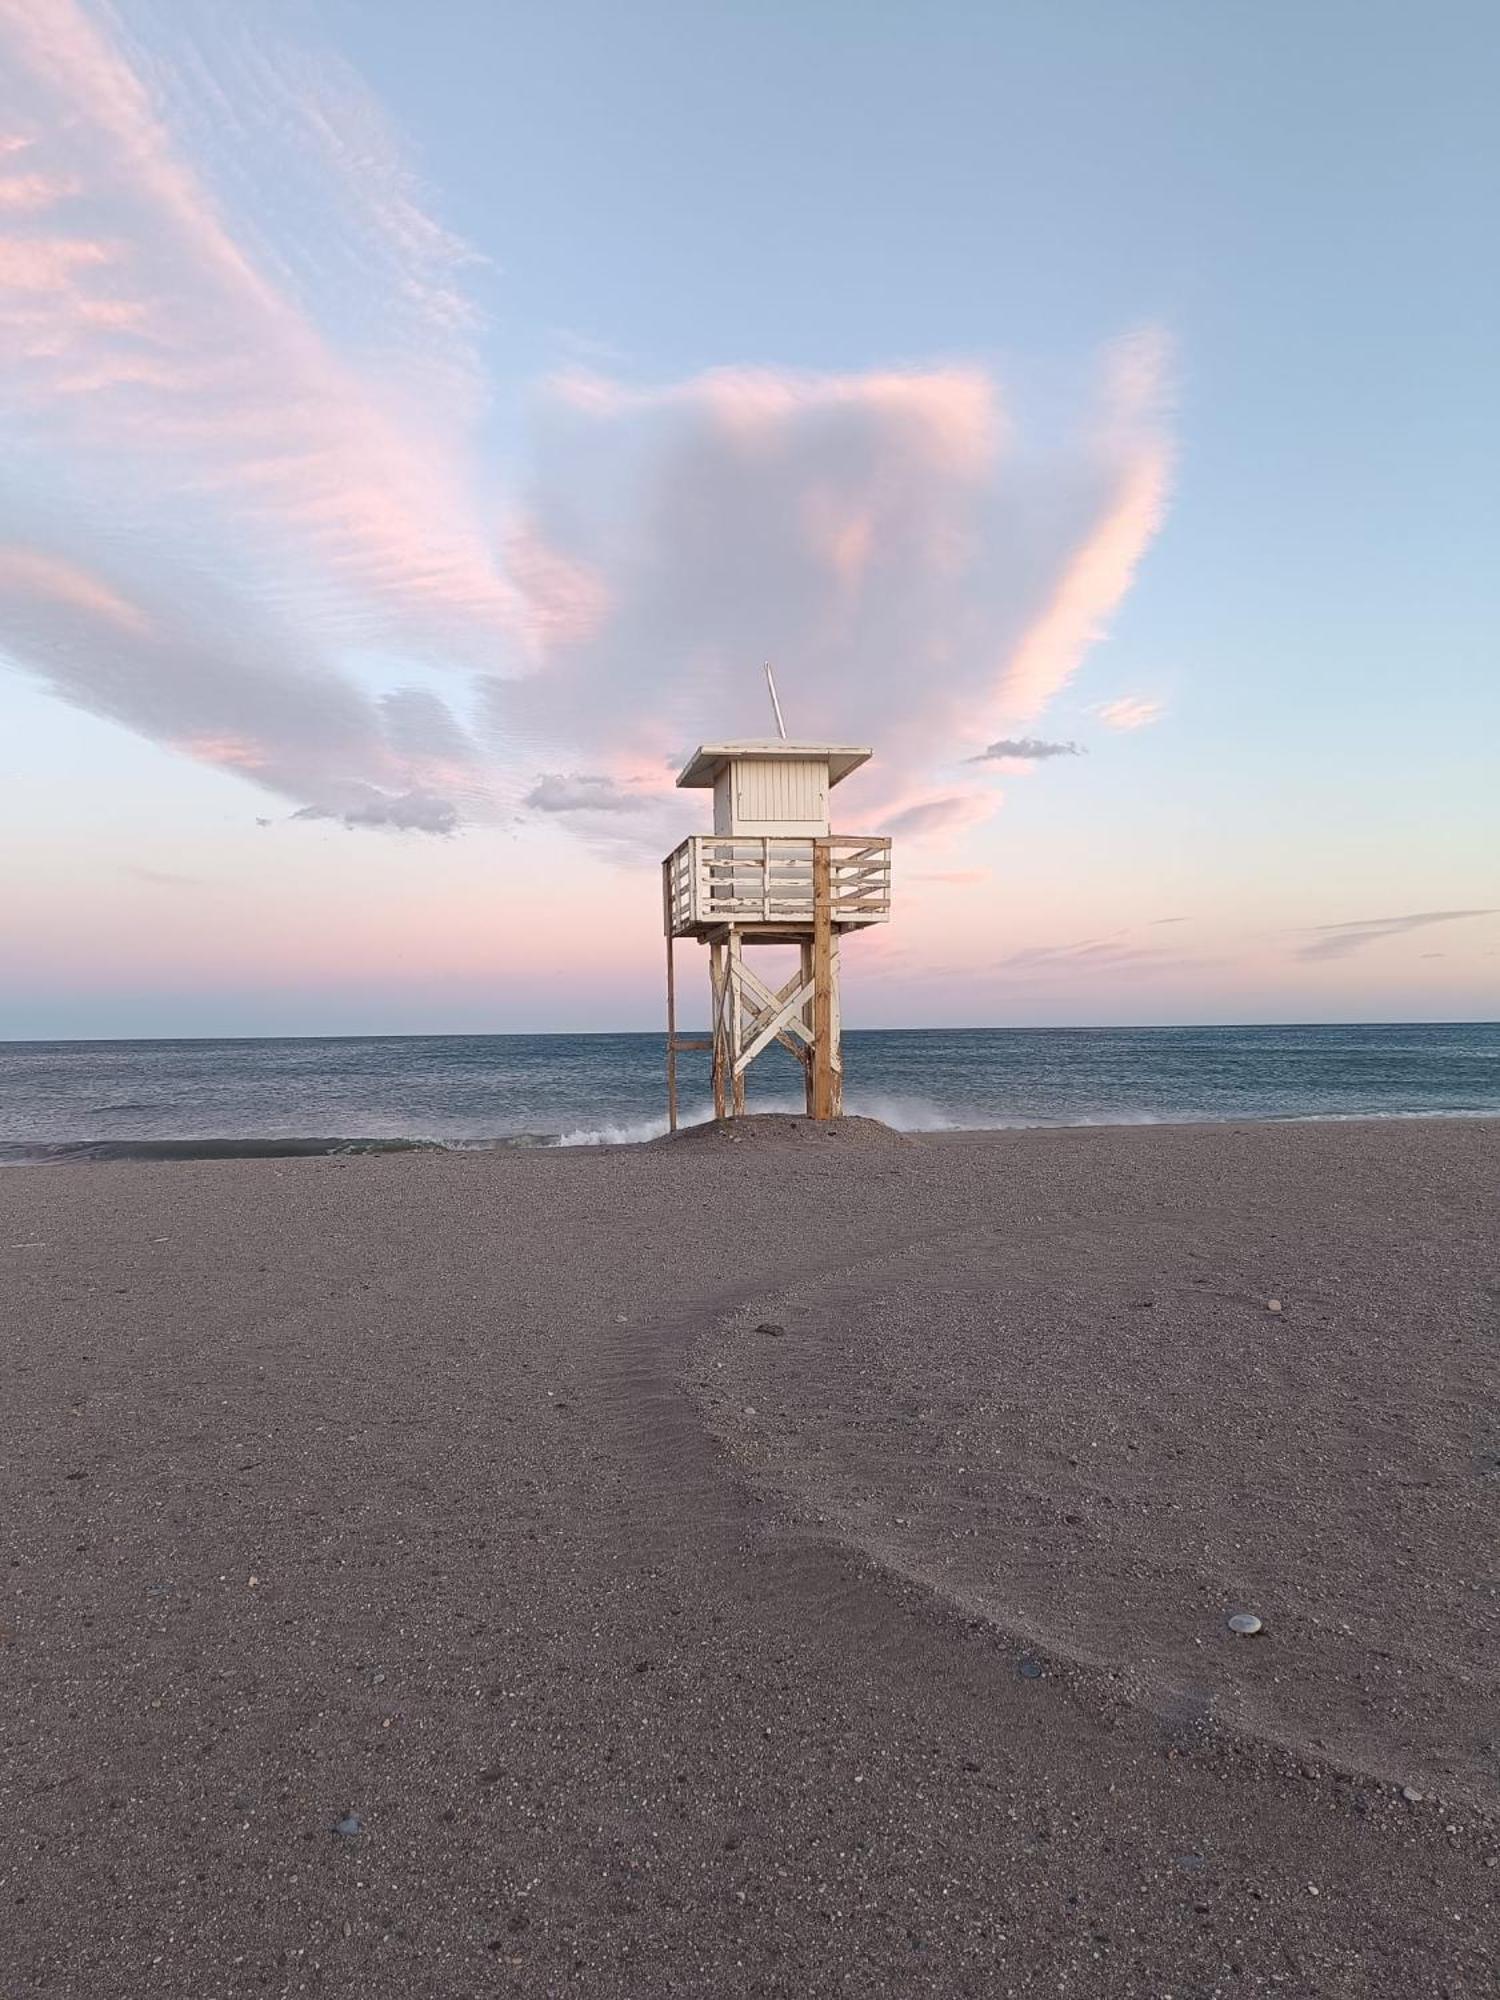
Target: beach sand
{"x": 775, "y": 1564}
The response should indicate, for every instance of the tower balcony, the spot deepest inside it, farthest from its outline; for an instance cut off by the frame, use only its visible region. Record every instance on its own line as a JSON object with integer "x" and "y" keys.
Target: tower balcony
{"x": 762, "y": 885}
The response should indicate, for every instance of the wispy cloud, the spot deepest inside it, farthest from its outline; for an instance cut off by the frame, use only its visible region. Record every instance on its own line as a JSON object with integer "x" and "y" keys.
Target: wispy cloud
{"x": 216, "y": 677}
{"x": 182, "y": 400}
{"x": 1130, "y": 712}
{"x": 1083, "y": 951}
{"x": 941, "y": 815}
{"x": 163, "y": 878}
{"x": 1340, "y": 940}
{"x": 1067, "y": 966}
{"x": 151, "y": 320}
{"x": 1025, "y": 749}
{"x": 1135, "y": 456}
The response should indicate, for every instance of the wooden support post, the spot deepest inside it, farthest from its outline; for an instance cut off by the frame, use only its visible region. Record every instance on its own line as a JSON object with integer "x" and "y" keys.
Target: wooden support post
{"x": 736, "y": 1036}
{"x": 721, "y": 1058}
{"x": 825, "y": 1096}
{"x": 666, "y": 908}
{"x": 835, "y": 1034}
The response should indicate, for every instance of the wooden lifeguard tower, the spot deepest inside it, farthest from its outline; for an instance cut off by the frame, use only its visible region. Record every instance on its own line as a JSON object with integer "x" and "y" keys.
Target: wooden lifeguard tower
{"x": 771, "y": 873}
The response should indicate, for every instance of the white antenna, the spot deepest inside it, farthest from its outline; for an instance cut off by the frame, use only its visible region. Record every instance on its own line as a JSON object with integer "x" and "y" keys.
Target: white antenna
{"x": 771, "y": 684}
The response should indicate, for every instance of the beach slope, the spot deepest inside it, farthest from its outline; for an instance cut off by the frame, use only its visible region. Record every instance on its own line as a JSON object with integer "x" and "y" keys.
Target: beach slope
{"x": 776, "y": 1567}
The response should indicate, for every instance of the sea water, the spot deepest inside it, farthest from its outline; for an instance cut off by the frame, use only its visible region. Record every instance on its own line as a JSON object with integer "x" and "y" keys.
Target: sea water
{"x": 63, "y": 1099}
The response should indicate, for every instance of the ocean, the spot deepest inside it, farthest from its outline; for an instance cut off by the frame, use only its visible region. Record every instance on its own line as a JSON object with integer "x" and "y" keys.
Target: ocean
{"x": 69, "y": 1100}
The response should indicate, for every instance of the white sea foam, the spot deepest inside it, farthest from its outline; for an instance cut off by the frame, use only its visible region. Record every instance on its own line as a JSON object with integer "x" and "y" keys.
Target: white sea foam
{"x": 903, "y": 1114}
{"x": 918, "y": 1114}
{"x": 635, "y": 1133}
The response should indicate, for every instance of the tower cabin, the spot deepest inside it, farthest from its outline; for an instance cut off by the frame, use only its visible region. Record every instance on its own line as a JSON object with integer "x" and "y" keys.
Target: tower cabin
{"x": 772, "y": 872}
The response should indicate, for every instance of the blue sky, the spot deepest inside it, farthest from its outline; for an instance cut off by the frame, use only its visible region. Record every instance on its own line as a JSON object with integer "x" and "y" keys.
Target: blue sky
{"x": 570, "y": 300}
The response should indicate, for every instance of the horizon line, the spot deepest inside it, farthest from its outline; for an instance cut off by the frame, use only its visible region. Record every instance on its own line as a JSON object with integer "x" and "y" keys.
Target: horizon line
{"x": 617, "y": 1034}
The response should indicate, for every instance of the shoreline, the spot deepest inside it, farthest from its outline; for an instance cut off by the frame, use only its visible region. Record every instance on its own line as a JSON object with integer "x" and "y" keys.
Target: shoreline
{"x": 119, "y": 1151}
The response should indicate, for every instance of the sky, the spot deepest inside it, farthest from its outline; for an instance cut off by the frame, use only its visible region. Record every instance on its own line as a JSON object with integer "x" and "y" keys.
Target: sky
{"x": 419, "y": 423}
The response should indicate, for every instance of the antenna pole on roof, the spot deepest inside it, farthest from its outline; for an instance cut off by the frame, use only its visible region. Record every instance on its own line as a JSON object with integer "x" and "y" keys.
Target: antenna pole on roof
{"x": 771, "y": 685}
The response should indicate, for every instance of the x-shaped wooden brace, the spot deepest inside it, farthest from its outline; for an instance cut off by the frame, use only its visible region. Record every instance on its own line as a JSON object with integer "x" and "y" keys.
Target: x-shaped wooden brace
{"x": 773, "y": 1016}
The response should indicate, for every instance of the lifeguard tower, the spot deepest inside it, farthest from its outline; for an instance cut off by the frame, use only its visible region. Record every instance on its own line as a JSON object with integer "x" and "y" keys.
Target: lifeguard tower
{"x": 770, "y": 873}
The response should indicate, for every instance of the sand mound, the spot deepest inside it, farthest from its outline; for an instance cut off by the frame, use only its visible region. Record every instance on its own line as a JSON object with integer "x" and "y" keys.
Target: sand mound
{"x": 763, "y": 1128}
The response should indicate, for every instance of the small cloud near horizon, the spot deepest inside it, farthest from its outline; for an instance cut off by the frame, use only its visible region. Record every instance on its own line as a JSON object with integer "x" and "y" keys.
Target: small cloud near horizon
{"x": 1340, "y": 940}
{"x": 415, "y": 812}
{"x": 1113, "y": 954}
{"x": 1026, "y": 749}
{"x": 580, "y": 792}
{"x": 163, "y": 878}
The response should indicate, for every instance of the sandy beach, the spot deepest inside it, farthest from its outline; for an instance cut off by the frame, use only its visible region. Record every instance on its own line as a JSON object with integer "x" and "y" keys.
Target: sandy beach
{"x": 783, "y": 1564}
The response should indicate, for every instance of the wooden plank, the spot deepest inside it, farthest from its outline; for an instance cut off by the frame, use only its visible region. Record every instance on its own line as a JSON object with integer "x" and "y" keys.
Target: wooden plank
{"x": 822, "y": 1001}
{"x": 717, "y": 981}
{"x": 762, "y": 995}
{"x": 835, "y": 1035}
{"x": 666, "y": 891}
{"x": 805, "y": 962}
{"x": 768, "y": 1027}
{"x": 736, "y": 1024}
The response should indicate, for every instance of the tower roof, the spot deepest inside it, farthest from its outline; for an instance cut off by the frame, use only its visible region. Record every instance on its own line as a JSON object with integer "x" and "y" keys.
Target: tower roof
{"x": 706, "y": 762}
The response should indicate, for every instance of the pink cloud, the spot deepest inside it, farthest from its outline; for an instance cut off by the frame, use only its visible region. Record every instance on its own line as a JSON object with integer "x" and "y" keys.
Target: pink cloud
{"x": 196, "y": 353}
{"x": 1098, "y": 573}
{"x": 565, "y": 601}
{"x": 24, "y": 570}
{"x": 1093, "y": 585}
{"x": 21, "y": 193}
{"x": 233, "y": 753}
{"x": 230, "y": 687}
{"x": 915, "y": 580}
{"x": 47, "y": 264}
{"x": 213, "y": 471}
{"x": 1129, "y": 712}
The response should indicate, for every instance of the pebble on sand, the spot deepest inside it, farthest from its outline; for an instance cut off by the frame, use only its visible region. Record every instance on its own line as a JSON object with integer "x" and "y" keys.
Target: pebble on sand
{"x": 1245, "y": 1623}
{"x": 350, "y": 1825}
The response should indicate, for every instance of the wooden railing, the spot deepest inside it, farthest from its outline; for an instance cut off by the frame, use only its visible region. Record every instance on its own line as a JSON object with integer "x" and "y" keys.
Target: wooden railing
{"x": 767, "y": 879}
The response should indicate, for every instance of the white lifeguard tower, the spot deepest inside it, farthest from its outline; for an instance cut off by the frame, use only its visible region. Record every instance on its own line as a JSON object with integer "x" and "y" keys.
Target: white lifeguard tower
{"x": 771, "y": 872}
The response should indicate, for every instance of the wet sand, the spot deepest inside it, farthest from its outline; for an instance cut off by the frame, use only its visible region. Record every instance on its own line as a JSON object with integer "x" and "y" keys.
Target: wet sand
{"x": 789, "y": 1565}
